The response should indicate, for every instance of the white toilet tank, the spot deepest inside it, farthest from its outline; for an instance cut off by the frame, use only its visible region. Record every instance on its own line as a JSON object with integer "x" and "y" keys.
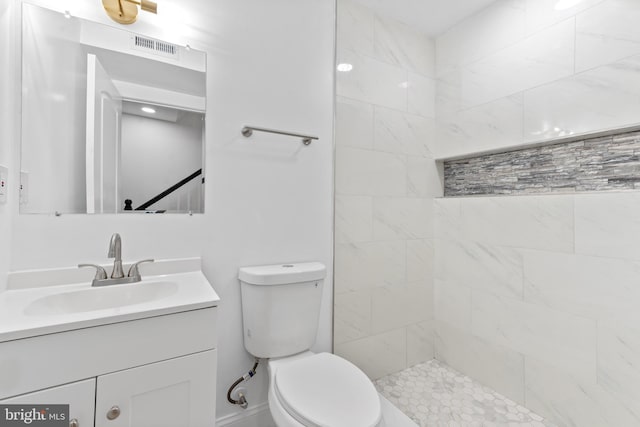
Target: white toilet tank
{"x": 281, "y": 307}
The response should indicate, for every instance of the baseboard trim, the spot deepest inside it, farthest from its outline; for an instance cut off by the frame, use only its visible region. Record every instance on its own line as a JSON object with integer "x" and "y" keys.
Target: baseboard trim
{"x": 254, "y": 416}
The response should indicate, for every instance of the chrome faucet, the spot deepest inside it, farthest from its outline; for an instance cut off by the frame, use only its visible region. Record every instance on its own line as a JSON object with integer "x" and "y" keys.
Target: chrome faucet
{"x": 115, "y": 251}
{"x": 117, "y": 274}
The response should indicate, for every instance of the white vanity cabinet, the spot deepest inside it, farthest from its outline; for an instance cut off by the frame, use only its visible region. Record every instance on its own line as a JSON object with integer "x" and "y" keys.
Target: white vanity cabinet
{"x": 173, "y": 393}
{"x": 139, "y": 355}
{"x": 80, "y": 396}
{"x": 153, "y": 372}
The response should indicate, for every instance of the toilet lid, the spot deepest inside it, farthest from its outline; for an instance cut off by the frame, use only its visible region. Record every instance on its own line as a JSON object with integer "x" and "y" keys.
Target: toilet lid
{"x": 324, "y": 390}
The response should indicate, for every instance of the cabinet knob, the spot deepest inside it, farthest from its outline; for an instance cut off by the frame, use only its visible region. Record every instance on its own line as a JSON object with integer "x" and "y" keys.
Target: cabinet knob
{"x": 113, "y": 413}
{"x": 74, "y": 423}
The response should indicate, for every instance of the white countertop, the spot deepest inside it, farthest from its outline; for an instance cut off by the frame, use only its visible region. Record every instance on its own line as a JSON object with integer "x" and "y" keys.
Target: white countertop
{"x": 193, "y": 292}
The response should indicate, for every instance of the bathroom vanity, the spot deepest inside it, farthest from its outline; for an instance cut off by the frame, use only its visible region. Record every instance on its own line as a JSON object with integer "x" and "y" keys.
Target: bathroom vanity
{"x": 117, "y": 356}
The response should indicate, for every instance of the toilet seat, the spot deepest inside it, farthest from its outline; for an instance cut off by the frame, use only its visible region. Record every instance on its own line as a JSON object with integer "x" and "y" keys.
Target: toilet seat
{"x": 325, "y": 390}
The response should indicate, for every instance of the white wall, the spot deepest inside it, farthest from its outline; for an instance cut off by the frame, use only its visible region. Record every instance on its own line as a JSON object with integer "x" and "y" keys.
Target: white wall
{"x": 536, "y": 296}
{"x": 385, "y": 183}
{"x": 269, "y": 199}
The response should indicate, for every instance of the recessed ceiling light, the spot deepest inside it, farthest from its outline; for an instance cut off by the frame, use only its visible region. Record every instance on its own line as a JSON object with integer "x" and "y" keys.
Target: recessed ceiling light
{"x": 344, "y": 67}
{"x": 566, "y": 4}
{"x": 148, "y": 110}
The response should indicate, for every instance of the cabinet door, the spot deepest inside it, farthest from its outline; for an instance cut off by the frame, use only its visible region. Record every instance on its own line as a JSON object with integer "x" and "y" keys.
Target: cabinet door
{"x": 179, "y": 392}
{"x": 80, "y": 396}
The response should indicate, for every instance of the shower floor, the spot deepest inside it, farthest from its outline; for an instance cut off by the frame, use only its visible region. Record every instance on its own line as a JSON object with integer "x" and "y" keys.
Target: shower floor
{"x": 434, "y": 395}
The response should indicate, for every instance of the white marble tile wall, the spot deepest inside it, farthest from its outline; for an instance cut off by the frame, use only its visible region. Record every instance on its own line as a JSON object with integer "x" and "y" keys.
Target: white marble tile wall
{"x": 607, "y": 225}
{"x": 534, "y": 296}
{"x": 523, "y": 71}
{"x": 496, "y": 366}
{"x": 386, "y": 179}
{"x": 571, "y": 401}
{"x": 606, "y": 97}
{"x": 538, "y": 296}
{"x": 540, "y": 14}
{"x": 607, "y": 33}
{"x": 541, "y": 58}
{"x": 469, "y": 40}
{"x": 480, "y": 128}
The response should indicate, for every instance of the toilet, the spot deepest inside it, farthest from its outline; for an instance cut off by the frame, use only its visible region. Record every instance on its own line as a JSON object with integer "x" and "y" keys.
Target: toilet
{"x": 280, "y": 313}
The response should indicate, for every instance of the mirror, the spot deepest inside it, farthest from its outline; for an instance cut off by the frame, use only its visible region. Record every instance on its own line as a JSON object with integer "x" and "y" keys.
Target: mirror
{"x": 112, "y": 121}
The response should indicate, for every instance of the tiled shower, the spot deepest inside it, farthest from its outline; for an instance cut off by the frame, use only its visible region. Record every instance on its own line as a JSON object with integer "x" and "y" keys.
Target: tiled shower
{"x": 535, "y": 296}
{"x": 386, "y": 180}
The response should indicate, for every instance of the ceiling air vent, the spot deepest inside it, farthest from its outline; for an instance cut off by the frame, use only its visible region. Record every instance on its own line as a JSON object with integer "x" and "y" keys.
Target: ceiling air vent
{"x": 155, "y": 47}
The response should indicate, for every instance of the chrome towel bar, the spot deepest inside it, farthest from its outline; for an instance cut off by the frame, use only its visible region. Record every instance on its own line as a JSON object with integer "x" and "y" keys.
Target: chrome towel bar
{"x": 306, "y": 139}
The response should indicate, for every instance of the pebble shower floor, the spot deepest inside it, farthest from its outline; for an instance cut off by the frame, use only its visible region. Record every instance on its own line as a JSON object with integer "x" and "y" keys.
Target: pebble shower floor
{"x": 434, "y": 395}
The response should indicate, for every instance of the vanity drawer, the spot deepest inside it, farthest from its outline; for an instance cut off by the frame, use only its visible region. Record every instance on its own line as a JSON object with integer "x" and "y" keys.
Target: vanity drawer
{"x": 40, "y": 362}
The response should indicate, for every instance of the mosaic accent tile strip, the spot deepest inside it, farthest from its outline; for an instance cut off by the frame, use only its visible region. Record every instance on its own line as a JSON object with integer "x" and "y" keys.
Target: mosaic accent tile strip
{"x": 434, "y": 395}
{"x": 597, "y": 164}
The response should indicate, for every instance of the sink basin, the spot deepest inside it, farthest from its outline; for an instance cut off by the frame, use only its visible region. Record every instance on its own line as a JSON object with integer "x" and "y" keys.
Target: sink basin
{"x": 59, "y": 300}
{"x": 101, "y": 298}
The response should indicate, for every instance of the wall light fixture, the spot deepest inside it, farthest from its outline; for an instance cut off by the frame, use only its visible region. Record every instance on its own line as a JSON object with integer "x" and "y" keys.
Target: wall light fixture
{"x": 126, "y": 11}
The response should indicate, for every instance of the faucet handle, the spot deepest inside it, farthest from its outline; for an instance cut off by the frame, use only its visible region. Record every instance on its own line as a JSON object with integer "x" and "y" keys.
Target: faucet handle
{"x": 134, "y": 272}
{"x": 101, "y": 273}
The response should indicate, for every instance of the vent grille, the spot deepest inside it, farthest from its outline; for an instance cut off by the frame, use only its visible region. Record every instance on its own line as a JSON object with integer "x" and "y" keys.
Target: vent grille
{"x": 166, "y": 48}
{"x": 155, "y": 46}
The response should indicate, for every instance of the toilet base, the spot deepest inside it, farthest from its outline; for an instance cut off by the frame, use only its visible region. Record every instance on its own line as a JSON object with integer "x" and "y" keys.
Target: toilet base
{"x": 391, "y": 416}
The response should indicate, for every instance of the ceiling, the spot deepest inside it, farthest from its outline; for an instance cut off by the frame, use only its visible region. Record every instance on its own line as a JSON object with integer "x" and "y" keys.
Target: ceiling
{"x": 432, "y": 17}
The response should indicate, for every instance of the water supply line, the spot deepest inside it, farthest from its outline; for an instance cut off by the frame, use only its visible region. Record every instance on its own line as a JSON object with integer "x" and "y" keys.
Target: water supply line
{"x": 242, "y": 399}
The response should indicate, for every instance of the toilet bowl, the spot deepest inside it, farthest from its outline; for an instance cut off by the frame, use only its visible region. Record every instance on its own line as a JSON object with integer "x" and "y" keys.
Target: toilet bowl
{"x": 280, "y": 312}
{"x": 321, "y": 390}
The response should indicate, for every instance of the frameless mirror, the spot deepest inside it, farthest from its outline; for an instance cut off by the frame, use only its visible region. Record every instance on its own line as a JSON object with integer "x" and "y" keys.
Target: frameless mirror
{"x": 112, "y": 121}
